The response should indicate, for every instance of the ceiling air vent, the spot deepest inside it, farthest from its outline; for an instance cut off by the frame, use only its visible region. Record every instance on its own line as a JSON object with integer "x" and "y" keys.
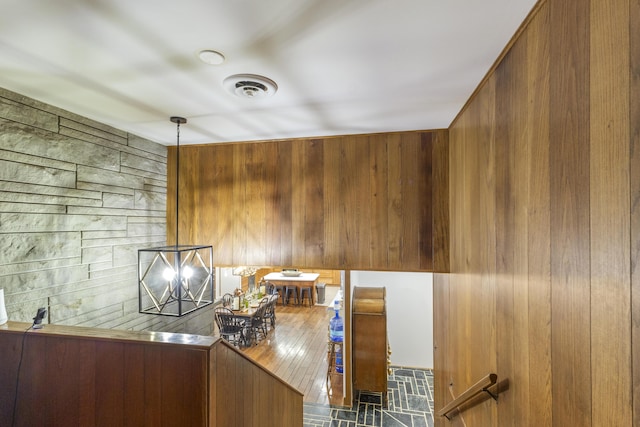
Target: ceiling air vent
{"x": 250, "y": 86}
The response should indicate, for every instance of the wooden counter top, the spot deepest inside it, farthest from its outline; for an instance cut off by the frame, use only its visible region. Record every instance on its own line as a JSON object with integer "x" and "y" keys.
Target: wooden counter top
{"x": 303, "y": 277}
{"x": 80, "y": 332}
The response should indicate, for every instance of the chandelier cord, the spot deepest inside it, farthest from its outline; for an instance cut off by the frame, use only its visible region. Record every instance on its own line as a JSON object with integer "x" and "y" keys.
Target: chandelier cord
{"x": 177, "y": 179}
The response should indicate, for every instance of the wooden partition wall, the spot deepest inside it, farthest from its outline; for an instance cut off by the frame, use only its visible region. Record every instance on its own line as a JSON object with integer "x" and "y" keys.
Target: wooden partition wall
{"x": 353, "y": 202}
{"x": 545, "y": 226}
{"x": 72, "y": 376}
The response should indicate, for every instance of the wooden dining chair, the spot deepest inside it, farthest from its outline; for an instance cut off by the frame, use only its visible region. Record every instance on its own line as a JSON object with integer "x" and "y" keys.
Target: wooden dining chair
{"x": 271, "y": 288}
{"x": 227, "y": 300}
{"x": 257, "y": 326}
{"x": 270, "y": 312}
{"x": 230, "y": 328}
{"x": 277, "y": 290}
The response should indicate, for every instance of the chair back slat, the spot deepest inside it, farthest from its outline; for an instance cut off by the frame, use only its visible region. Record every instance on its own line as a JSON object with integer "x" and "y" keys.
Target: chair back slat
{"x": 227, "y": 300}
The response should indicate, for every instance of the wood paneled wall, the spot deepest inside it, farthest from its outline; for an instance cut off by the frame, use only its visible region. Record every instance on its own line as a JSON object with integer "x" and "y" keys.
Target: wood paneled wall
{"x": 352, "y": 202}
{"x": 249, "y": 395}
{"x": 80, "y": 377}
{"x": 545, "y": 226}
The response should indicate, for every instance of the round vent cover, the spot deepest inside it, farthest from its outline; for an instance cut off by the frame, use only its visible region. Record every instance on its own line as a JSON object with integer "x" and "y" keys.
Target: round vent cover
{"x": 250, "y": 86}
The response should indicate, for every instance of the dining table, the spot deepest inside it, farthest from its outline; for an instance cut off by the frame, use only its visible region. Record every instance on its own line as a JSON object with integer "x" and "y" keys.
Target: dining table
{"x": 244, "y": 316}
{"x": 245, "y": 313}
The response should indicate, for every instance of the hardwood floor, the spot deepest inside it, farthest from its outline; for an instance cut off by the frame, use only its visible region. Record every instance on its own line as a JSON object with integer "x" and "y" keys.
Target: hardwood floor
{"x": 296, "y": 351}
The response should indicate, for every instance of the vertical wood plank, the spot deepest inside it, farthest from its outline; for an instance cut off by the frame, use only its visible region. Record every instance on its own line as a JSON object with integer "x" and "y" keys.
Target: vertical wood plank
{"x": 285, "y": 185}
{"x": 239, "y": 205}
{"x": 395, "y": 214}
{"x": 133, "y": 395}
{"x": 195, "y": 384}
{"x": 441, "y": 202}
{"x": 456, "y": 300}
{"x": 347, "y": 238}
{"x": 355, "y": 206}
{"x": 225, "y": 372}
{"x": 221, "y": 203}
{"x": 506, "y": 118}
{"x": 357, "y": 212}
{"x": 314, "y": 202}
{"x": 170, "y": 388}
{"x": 569, "y": 165}
{"x": 456, "y": 197}
{"x": 334, "y": 253}
{"x": 213, "y": 376}
{"x": 86, "y": 371}
{"x": 425, "y": 201}
{"x": 610, "y": 210}
{"x": 458, "y": 261}
{"x": 202, "y": 172}
{"x": 634, "y": 98}
{"x": 482, "y": 277}
{"x": 171, "y": 199}
{"x": 379, "y": 170}
{"x": 110, "y": 406}
{"x": 412, "y": 162}
{"x": 241, "y": 412}
{"x": 521, "y": 173}
{"x": 10, "y": 353}
{"x": 539, "y": 262}
{"x": 32, "y": 371}
{"x": 152, "y": 387}
{"x": 188, "y": 199}
{"x": 255, "y": 186}
{"x": 297, "y": 202}
{"x": 60, "y": 370}
{"x": 273, "y": 244}
{"x": 441, "y": 334}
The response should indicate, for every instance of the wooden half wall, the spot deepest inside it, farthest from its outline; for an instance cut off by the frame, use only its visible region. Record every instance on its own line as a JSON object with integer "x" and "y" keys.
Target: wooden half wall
{"x": 545, "y": 226}
{"x": 353, "y": 202}
{"x": 72, "y": 376}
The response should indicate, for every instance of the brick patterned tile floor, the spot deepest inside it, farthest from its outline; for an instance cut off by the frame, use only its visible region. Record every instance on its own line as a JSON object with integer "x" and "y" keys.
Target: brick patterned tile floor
{"x": 410, "y": 404}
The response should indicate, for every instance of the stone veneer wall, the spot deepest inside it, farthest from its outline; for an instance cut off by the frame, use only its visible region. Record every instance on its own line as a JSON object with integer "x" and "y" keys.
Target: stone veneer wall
{"x": 77, "y": 200}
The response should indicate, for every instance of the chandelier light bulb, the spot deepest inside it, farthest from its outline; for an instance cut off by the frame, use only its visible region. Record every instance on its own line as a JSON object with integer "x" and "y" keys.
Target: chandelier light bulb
{"x": 168, "y": 274}
{"x": 187, "y": 272}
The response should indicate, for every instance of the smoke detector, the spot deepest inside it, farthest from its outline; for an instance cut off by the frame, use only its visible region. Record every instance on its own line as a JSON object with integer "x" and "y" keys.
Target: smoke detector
{"x": 250, "y": 86}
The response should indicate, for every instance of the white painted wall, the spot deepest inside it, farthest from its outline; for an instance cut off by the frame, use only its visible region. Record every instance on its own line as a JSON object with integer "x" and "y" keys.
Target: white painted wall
{"x": 409, "y": 314}
{"x": 227, "y": 282}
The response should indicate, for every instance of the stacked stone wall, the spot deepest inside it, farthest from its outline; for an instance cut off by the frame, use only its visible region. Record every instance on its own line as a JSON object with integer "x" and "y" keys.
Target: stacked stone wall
{"x": 77, "y": 200}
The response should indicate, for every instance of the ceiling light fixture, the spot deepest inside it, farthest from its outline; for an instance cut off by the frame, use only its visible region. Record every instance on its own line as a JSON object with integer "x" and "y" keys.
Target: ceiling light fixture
{"x": 244, "y": 271}
{"x": 250, "y": 86}
{"x": 211, "y": 57}
{"x": 175, "y": 280}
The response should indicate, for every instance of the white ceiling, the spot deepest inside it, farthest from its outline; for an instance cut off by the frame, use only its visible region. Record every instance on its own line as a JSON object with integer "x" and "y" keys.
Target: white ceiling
{"x": 342, "y": 66}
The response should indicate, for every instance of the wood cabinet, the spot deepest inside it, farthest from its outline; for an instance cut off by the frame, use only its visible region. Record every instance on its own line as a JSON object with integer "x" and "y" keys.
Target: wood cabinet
{"x": 330, "y": 277}
{"x": 370, "y": 343}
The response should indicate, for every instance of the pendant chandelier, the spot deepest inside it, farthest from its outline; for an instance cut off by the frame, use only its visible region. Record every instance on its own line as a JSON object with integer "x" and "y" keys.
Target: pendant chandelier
{"x": 175, "y": 280}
